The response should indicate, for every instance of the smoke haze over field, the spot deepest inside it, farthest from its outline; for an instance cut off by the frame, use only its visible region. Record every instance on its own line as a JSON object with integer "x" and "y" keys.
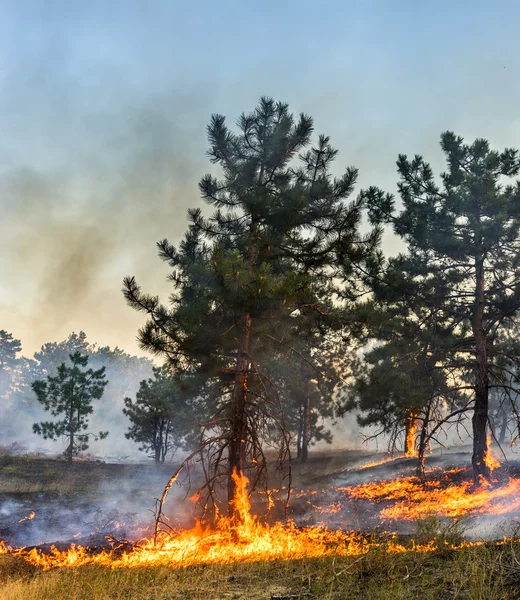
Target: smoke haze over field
{"x": 103, "y": 109}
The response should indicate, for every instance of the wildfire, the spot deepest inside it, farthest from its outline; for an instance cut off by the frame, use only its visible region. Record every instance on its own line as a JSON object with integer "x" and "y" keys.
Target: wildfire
{"x": 413, "y": 499}
{"x": 240, "y": 540}
{"x": 244, "y": 537}
{"x": 411, "y": 451}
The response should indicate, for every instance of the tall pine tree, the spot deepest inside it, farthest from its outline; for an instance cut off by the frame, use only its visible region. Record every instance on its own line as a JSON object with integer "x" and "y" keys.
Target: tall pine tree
{"x": 248, "y": 275}
{"x": 463, "y": 258}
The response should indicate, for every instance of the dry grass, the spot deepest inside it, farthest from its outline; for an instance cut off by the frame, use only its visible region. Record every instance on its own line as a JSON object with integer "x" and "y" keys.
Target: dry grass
{"x": 32, "y": 475}
{"x": 487, "y": 572}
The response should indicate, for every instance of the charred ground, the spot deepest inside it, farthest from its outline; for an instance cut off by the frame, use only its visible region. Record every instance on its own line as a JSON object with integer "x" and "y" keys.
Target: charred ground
{"x": 78, "y": 494}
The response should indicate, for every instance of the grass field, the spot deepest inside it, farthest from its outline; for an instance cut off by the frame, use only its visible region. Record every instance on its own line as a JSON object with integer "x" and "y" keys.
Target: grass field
{"x": 486, "y": 572}
{"x": 480, "y": 572}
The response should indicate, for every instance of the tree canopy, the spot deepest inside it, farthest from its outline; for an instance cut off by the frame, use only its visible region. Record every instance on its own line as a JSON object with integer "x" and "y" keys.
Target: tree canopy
{"x": 462, "y": 264}
{"x": 265, "y": 263}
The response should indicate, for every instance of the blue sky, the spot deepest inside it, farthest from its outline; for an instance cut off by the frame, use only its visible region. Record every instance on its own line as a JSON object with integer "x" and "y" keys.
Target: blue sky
{"x": 103, "y": 109}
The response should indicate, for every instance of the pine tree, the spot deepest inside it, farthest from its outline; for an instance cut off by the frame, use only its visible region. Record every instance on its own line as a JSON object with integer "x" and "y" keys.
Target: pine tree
{"x": 69, "y": 395}
{"x": 122, "y": 370}
{"x": 160, "y": 416}
{"x": 262, "y": 264}
{"x": 463, "y": 254}
{"x": 402, "y": 387}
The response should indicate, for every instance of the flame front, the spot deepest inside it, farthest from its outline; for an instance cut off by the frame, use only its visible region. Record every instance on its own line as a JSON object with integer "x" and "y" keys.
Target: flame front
{"x": 244, "y": 538}
{"x": 413, "y": 499}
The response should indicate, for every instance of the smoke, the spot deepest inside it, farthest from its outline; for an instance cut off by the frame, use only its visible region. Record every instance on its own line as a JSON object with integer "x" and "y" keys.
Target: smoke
{"x": 119, "y": 505}
{"x": 79, "y": 222}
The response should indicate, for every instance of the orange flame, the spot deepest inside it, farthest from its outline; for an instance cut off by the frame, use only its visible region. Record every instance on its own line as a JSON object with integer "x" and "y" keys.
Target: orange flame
{"x": 376, "y": 463}
{"x": 29, "y": 517}
{"x": 247, "y": 539}
{"x": 491, "y": 462}
{"x": 410, "y": 450}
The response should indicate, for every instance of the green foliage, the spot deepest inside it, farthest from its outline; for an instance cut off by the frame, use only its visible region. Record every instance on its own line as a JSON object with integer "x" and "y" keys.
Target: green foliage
{"x": 14, "y": 382}
{"x": 268, "y": 251}
{"x": 69, "y": 395}
{"x": 123, "y": 372}
{"x": 263, "y": 267}
{"x": 161, "y": 418}
{"x": 472, "y": 215}
{"x": 403, "y": 374}
{"x": 9, "y": 348}
{"x": 461, "y": 271}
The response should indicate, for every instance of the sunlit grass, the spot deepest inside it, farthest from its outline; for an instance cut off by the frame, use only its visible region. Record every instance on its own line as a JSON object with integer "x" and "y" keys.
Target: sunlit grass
{"x": 486, "y": 572}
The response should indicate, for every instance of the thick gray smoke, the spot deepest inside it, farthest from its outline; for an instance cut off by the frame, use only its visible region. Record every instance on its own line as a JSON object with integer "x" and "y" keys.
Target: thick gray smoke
{"x": 78, "y": 227}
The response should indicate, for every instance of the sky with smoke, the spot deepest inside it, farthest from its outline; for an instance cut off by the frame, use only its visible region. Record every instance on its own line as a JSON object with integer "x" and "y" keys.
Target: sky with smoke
{"x": 103, "y": 109}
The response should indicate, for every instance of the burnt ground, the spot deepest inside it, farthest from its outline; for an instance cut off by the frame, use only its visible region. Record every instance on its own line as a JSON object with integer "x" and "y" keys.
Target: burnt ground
{"x": 90, "y": 502}
{"x": 81, "y": 502}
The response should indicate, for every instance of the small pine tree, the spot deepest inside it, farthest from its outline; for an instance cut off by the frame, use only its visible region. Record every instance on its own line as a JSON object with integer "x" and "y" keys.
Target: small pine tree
{"x": 69, "y": 395}
{"x": 158, "y": 416}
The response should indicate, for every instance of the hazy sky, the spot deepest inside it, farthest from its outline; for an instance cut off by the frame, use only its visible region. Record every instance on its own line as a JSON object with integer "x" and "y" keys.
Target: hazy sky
{"x": 103, "y": 109}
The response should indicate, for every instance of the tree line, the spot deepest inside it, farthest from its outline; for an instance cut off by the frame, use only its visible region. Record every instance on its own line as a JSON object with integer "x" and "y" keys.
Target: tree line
{"x": 277, "y": 293}
{"x": 285, "y": 311}
{"x": 63, "y": 379}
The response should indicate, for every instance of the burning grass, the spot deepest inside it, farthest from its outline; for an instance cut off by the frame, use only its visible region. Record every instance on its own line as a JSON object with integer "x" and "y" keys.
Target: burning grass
{"x": 483, "y": 572}
{"x": 248, "y": 540}
{"x": 230, "y": 559}
{"x": 411, "y": 499}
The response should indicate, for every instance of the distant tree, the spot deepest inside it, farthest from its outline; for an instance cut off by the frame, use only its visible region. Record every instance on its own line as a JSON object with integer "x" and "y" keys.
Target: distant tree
{"x": 305, "y": 381}
{"x": 123, "y": 372}
{"x": 504, "y": 406}
{"x": 69, "y": 395}
{"x": 159, "y": 415}
{"x": 122, "y": 369}
{"x": 52, "y": 354}
{"x": 9, "y": 349}
{"x": 16, "y": 372}
{"x": 306, "y": 409}
{"x": 11, "y": 364}
{"x": 462, "y": 259}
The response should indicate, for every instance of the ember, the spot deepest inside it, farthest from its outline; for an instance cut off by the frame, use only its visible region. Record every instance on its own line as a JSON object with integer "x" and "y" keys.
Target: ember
{"x": 29, "y": 517}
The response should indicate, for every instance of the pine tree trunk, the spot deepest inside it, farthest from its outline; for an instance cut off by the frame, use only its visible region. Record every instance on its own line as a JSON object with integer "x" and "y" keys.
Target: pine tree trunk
{"x": 503, "y": 429}
{"x": 480, "y": 413}
{"x": 238, "y": 434}
{"x": 306, "y": 425}
{"x": 422, "y": 440}
{"x": 158, "y": 442}
{"x": 300, "y": 434}
{"x": 70, "y": 449}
